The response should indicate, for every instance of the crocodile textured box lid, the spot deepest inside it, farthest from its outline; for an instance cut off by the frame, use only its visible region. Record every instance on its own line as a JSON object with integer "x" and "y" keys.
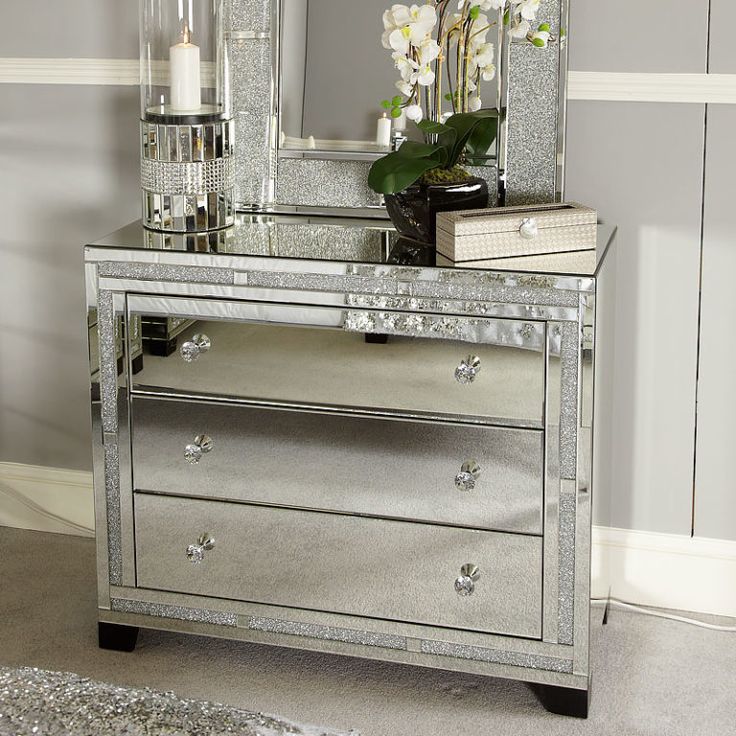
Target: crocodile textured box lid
{"x": 508, "y": 232}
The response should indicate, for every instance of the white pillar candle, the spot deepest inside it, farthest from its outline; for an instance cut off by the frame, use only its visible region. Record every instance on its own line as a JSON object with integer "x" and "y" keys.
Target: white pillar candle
{"x": 185, "y": 75}
{"x": 383, "y": 131}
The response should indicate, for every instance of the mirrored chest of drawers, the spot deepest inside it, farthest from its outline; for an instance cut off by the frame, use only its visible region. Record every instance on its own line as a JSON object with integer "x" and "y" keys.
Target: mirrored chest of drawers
{"x": 350, "y": 449}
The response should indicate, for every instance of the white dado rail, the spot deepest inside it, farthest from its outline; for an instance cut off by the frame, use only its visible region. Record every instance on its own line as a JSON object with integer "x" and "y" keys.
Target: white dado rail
{"x": 601, "y": 86}
{"x": 662, "y": 570}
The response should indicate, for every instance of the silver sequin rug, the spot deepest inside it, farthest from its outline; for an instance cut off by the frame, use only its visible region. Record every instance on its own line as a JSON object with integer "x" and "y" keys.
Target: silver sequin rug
{"x": 39, "y": 703}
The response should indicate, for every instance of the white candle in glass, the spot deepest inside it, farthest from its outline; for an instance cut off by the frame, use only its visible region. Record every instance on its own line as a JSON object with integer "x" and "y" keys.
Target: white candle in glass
{"x": 383, "y": 132}
{"x": 185, "y": 74}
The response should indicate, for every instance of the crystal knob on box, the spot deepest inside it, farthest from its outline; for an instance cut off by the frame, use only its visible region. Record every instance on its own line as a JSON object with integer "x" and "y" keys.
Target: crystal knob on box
{"x": 195, "y": 552}
{"x": 468, "y": 369}
{"x": 192, "y": 349}
{"x": 529, "y": 228}
{"x": 468, "y": 475}
{"x": 194, "y": 451}
{"x": 469, "y": 576}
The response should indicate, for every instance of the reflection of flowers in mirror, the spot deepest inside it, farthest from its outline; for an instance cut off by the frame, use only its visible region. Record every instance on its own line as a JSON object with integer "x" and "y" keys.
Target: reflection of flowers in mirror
{"x": 450, "y": 37}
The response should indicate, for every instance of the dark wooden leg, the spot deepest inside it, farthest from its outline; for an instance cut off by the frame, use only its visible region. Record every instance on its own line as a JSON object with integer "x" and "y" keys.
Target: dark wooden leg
{"x": 137, "y": 364}
{"x": 117, "y": 637}
{"x": 376, "y": 339}
{"x": 564, "y": 701}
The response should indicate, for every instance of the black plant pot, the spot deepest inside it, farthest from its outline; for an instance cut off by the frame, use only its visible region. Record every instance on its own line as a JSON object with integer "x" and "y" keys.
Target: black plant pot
{"x": 413, "y": 211}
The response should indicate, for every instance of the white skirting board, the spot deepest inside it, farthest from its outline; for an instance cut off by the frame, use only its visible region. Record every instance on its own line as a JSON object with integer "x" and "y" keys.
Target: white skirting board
{"x": 46, "y": 499}
{"x": 661, "y": 570}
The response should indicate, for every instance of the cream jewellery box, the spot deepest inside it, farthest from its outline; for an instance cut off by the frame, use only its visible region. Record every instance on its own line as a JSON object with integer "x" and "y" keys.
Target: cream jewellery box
{"x": 515, "y": 232}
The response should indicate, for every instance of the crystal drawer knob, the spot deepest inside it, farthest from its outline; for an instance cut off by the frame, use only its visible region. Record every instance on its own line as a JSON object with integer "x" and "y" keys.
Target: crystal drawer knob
{"x": 193, "y": 452}
{"x": 468, "y": 369}
{"x": 195, "y": 552}
{"x": 468, "y": 475}
{"x": 192, "y": 349}
{"x": 469, "y": 576}
{"x": 529, "y": 228}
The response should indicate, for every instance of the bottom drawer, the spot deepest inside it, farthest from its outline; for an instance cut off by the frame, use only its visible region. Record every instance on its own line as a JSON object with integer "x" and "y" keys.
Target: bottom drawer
{"x": 343, "y": 564}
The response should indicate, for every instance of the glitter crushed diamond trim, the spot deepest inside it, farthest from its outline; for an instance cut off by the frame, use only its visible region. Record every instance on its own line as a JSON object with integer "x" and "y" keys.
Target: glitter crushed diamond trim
{"x": 468, "y": 329}
{"x": 114, "y": 528}
{"x": 533, "y": 116}
{"x": 252, "y": 15}
{"x": 355, "y": 243}
{"x": 569, "y": 390}
{"x": 108, "y": 360}
{"x": 166, "y": 272}
{"x": 82, "y": 706}
{"x": 472, "y": 287}
{"x": 199, "y": 177}
{"x": 497, "y": 656}
{"x": 253, "y": 88}
{"x": 323, "y": 183}
{"x": 180, "y": 613}
{"x": 328, "y": 633}
{"x": 470, "y": 308}
{"x": 566, "y": 595}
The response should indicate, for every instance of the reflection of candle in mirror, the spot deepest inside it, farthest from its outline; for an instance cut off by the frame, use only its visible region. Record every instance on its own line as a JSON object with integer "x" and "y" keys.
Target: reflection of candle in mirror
{"x": 383, "y": 132}
{"x": 184, "y": 68}
{"x": 400, "y": 122}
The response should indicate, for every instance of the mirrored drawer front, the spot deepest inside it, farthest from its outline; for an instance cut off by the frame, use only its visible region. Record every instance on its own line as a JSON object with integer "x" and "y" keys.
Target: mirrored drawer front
{"x": 317, "y": 355}
{"x": 468, "y": 475}
{"x": 435, "y": 575}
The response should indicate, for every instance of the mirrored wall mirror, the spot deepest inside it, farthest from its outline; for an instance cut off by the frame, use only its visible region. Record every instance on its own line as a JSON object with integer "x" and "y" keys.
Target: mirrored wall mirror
{"x": 335, "y": 73}
{"x": 309, "y": 78}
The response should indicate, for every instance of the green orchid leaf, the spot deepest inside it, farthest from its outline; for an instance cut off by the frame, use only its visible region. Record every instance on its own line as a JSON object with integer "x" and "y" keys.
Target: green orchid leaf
{"x": 386, "y": 104}
{"x": 414, "y": 149}
{"x": 396, "y": 112}
{"x": 396, "y": 101}
{"x": 464, "y": 124}
{"x": 431, "y": 127}
{"x": 478, "y": 147}
{"x": 395, "y": 172}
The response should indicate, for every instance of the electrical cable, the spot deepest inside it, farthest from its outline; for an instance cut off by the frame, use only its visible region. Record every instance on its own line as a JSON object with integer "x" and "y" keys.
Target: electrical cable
{"x": 661, "y": 614}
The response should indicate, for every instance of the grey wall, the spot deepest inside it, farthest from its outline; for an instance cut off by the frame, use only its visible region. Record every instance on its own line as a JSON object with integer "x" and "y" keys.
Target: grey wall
{"x": 348, "y": 71}
{"x": 68, "y": 156}
{"x": 69, "y": 173}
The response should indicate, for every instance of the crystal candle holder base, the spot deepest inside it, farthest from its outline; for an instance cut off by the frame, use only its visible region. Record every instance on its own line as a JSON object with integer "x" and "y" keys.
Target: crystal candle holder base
{"x": 187, "y": 175}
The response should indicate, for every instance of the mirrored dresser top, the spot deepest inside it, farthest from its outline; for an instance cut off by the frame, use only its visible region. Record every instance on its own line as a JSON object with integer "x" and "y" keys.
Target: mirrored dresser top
{"x": 343, "y": 240}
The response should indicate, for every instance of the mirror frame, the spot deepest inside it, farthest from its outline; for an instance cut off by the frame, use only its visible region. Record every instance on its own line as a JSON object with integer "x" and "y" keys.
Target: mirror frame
{"x": 530, "y": 166}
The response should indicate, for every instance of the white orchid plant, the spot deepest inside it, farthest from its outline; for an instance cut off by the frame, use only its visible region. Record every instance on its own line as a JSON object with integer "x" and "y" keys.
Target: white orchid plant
{"x": 451, "y": 36}
{"x": 447, "y": 38}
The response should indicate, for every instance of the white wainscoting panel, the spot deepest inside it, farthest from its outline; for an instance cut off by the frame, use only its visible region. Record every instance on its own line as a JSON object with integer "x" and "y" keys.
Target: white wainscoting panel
{"x": 70, "y": 71}
{"x": 605, "y": 86}
{"x": 643, "y": 87}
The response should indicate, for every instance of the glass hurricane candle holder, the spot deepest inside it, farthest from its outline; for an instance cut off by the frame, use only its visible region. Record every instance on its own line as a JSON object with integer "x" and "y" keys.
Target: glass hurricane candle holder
{"x": 186, "y": 122}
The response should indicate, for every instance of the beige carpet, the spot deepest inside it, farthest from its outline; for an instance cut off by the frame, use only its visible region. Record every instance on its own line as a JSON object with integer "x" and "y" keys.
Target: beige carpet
{"x": 651, "y": 677}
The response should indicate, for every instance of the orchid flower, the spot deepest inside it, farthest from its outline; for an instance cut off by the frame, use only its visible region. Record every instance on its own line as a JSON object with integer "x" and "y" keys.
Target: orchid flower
{"x": 460, "y": 49}
{"x": 407, "y": 26}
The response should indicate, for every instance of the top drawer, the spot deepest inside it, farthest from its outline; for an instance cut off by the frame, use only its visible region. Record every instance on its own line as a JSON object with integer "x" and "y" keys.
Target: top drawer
{"x": 477, "y": 369}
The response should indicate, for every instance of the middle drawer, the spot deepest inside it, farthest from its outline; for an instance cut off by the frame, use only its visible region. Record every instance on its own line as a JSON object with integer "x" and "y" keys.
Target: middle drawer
{"x": 467, "y": 475}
